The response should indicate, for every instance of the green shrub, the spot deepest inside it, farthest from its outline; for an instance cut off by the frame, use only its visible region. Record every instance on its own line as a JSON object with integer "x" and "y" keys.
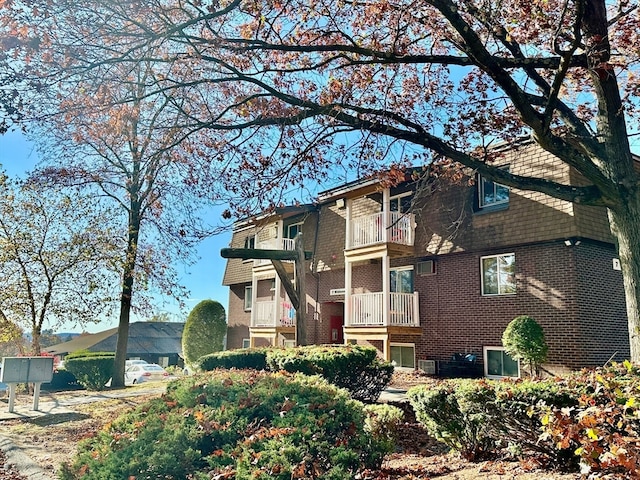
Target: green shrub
{"x": 353, "y": 367}
{"x": 255, "y": 358}
{"x": 92, "y": 369}
{"x": 452, "y": 412}
{"x": 240, "y": 424}
{"x": 523, "y": 339}
{"x": 204, "y": 331}
{"x": 382, "y": 423}
{"x": 62, "y": 380}
{"x": 479, "y": 417}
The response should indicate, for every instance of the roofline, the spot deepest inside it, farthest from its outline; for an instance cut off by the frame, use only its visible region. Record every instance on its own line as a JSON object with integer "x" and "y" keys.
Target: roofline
{"x": 284, "y": 212}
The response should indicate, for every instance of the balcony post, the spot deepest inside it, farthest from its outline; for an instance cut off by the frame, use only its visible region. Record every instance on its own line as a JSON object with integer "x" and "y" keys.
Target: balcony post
{"x": 348, "y": 242}
{"x": 348, "y": 311}
{"x": 386, "y": 214}
{"x": 386, "y": 289}
{"x": 277, "y": 300}
{"x": 416, "y": 309}
{"x": 254, "y": 297}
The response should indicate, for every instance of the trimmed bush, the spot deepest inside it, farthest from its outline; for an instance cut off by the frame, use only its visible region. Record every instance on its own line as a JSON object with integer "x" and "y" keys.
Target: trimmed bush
{"x": 451, "y": 413}
{"x": 92, "y": 369}
{"x": 478, "y": 418}
{"x": 523, "y": 339}
{"x": 255, "y": 358}
{"x": 239, "y": 424}
{"x": 354, "y": 367}
{"x": 382, "y": 423}
{"x": 204, "y": 331}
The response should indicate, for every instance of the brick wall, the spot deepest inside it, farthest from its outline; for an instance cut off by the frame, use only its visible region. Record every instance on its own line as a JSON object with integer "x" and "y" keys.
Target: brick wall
{"x": 455, "y": 317}
{"x": 601, "y": 308}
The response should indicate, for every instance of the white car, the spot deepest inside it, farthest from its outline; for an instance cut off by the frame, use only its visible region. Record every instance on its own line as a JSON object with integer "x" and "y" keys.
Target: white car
{"x": 146, "y": 372}
{"x": 128, "y": 363}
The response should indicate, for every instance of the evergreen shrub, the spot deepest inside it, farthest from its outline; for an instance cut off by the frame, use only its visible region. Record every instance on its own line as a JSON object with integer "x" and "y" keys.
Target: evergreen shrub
{"x": 240, "y": 424}
{"x": 92, "y": 369}
{"x": 477, "y": 418}
{"x": 255, "y": 358}
{"x": 354, "y": 367}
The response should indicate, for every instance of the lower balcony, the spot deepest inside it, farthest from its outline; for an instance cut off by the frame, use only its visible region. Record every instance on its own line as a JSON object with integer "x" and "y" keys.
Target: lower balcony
{"x": 367, "y": 310}
{"x": 269, "y": 315}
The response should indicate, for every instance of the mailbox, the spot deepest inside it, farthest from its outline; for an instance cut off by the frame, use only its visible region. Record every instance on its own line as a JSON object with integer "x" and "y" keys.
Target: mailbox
{"x": 27, "y": 370}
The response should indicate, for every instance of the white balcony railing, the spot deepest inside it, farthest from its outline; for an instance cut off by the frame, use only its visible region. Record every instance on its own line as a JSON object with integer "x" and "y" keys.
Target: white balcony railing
{"x": 367, "y": 310}
{"x": 381, "y": 227}
{"x": 268, "y": 314}
{"x": 274, "y": 244}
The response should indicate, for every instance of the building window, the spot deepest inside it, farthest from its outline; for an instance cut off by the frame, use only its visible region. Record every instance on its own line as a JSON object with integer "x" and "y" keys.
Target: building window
{"x": 491, "y": 193}
{"x": 163, "y": 361}
{"x": 400, "y": 203}
{"x": 401, "y": 280}
{"x": 248, "y": 298}
{"x": 498, "y": 364}
{"x": 250, "y": 242}
{"x": 293, "y": 230}
{"x": 246, "y": 343}
{"x": 403, "y": 355}
{"x": 498, "y": 274}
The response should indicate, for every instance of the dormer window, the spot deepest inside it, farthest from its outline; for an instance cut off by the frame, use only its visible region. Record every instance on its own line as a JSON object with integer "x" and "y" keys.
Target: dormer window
{"x": 491, "y": 194}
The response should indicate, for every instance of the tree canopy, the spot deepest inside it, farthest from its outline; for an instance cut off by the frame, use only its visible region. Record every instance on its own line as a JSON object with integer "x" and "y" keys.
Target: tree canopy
{"x": 55, "y": 252}
{"x": 286, "y": 90}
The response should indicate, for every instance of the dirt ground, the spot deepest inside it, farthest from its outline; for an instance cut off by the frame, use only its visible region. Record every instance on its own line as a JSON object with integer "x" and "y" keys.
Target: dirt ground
{"x": 51, "y": 440}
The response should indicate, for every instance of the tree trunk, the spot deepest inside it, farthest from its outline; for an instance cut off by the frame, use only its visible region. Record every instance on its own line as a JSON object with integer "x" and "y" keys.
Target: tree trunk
{"x": 35, "y": 341}
{"x": 117, "y": 379}
{"x": 624, "y": 225}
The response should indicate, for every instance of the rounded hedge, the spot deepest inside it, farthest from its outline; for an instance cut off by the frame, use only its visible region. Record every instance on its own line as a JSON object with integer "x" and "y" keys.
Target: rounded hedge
{"x": 204, "y": 330}
{"x": 523, "y": 339}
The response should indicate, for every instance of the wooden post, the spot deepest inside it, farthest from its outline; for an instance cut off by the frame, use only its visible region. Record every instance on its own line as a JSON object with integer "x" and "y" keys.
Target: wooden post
{"x": 297, "y": 295}
{"x": 301, "y": 311}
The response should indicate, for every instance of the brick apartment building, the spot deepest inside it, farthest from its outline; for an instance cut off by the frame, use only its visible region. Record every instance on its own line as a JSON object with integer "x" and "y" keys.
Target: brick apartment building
{"x": 424, "y": 272}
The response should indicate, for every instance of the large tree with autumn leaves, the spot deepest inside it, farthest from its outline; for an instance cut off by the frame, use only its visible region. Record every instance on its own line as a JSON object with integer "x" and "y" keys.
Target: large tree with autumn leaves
{"x": 293, "y": 87}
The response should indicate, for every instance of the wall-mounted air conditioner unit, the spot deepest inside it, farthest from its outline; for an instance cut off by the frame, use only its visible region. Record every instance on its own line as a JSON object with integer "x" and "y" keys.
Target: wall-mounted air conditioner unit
{"x": 427, "y": 366}
{"x": 426, "y": 267}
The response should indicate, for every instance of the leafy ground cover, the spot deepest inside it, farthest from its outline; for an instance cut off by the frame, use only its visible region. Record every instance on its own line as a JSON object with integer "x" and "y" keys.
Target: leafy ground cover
{"x": 52, "y": 439}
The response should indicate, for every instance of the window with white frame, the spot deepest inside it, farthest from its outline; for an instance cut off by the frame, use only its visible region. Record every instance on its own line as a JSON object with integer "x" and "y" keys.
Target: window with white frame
{"x": 246, "y": 343}
{"x": 498, "y": 364}
{"x": 403, "y": 355}
{"x": 400, "y": 203}
{"x": 293, "y": 230}
{"x": 401, "y": 279}
{"x": 491, "y": 194}
{"x": 250, "y": 242}
{"x": 248, "y": 298}
{"x": 498, "y": 274}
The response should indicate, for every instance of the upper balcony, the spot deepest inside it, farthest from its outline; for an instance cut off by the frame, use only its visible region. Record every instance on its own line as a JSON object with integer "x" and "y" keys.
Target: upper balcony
{"x": 273, "y": 244}
{"x": 393, "y": 231}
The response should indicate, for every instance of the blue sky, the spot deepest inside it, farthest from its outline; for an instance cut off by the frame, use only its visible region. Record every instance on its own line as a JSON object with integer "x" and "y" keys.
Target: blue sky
{"x": 203, "y": 279}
